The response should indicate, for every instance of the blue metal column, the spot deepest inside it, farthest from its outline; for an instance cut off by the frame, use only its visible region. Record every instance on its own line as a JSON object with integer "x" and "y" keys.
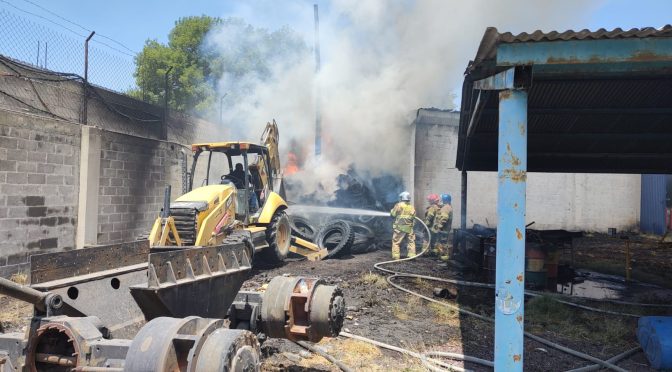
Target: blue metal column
{"x": 512, "y": 176}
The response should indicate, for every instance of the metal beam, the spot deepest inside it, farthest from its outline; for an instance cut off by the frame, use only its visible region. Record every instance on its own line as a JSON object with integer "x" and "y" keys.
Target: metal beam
{"x": 510, "y": 274}
{"x": 499, "y": 81}
{"x": 556, "y": 137}
{"x": 592, "y": 111}
{"x": 633, "y": 50}
{"x": 463, "y": 206}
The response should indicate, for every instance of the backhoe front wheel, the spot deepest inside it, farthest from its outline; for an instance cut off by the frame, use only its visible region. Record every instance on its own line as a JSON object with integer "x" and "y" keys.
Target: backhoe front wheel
{"x": 278, "y": 236}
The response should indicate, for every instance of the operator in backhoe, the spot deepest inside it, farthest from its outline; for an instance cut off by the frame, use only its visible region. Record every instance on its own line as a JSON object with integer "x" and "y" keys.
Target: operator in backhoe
{"x": 430, "y": 214}
{"x": 238, "y": 179}
{"x": 443, "y": 223}
{"x": 238, "y": 176}
{"x": 404, "y": 220}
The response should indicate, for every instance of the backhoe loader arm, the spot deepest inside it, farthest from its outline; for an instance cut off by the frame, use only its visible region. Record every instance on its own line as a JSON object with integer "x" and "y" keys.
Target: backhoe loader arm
{"x": 270, "y": 139}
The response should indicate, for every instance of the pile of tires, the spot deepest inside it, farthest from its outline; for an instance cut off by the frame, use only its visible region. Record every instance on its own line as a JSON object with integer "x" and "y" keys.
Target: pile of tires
{"x": 340, "y": 235}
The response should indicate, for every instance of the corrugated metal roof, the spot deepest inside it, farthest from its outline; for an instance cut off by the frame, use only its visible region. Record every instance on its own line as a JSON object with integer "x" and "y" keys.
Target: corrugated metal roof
{"x": 493, "y": 37}
{"x": 577, "y": 121}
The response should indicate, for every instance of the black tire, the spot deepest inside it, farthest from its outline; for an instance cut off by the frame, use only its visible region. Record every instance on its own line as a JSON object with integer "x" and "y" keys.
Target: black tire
{"x": 337, "y": 237}
{"x": 360, "y": 248}
{"x": 241, "y": 236}
{"x": 364, "y": 237}
{"x": 278, "y": 237}
{"x": 303, "y": 228}
{"x": 361, "y": 229}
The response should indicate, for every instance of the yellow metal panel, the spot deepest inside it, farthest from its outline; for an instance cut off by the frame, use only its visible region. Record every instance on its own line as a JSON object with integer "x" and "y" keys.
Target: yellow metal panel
{"x": 219, "y": 145}
{"x": 154, "y": 235}
{"x": 308, "y": 254}
{"x": 305, "y": 244}
{"x": 223, "y": 209}
{"x": 272, "y": 204}
{"x": 205, "y": 193}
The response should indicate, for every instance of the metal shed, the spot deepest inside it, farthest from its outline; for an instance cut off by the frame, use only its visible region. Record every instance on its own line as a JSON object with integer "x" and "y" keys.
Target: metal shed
{"x": 585, "y": 101}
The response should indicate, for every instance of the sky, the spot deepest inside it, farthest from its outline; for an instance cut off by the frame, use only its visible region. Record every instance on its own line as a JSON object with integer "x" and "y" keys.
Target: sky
{"x": 132, "y": 22}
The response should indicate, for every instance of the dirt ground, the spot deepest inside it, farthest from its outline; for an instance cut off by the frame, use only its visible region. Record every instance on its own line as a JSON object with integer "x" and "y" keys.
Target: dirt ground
{"x": 380, "y": 312}
{"x": 651, "y": 258}
{"x": 377, "y": 311}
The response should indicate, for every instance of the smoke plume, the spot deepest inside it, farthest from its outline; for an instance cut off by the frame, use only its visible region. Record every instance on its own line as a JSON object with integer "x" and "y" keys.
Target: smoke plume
{"x": 381, "y": 61}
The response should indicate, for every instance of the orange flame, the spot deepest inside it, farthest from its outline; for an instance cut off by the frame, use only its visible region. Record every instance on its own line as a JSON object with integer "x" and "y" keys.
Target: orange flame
{"x": 292, "y": 165}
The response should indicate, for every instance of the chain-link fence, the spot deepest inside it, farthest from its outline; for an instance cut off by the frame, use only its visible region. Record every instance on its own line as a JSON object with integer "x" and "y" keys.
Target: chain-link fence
{"x": 56, "y": 72}
{"x": 40, "y": 46}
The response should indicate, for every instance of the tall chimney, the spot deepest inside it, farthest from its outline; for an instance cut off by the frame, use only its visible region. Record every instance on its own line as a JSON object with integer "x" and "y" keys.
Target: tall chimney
{"x": 318, "y": 114}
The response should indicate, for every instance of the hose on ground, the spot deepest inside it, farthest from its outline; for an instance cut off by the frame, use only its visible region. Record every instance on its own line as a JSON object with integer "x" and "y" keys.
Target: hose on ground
{"x": 396, "y": 274}
{"x": 614, "y": 359}
{"x": 424, "y": 357}
{"x": 313, "y": 349}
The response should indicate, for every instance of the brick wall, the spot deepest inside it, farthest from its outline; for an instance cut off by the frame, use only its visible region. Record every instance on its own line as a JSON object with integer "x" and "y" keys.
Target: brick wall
{"x": 133, "y": 174}
{"x": 39, "y": 173}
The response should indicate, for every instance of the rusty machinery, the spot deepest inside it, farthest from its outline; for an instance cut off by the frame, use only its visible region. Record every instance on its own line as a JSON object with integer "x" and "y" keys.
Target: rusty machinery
{"x": 110, "y": 308}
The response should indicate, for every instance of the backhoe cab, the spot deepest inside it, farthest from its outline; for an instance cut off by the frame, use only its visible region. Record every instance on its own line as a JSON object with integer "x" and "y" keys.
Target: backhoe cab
{"x": 235, "y": 192}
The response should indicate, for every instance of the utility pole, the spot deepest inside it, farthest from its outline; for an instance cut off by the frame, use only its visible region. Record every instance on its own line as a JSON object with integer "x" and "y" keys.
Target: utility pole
{"x": 318, "y": 114}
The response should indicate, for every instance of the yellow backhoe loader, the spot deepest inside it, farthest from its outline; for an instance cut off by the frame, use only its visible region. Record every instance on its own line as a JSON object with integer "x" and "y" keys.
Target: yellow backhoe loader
{"x": 239, "y": 196}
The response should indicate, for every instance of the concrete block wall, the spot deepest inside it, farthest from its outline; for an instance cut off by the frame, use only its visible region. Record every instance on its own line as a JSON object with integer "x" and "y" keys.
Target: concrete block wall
{"x": 39, "y": 173}
{"x": 587, "y": 202}
{"x": 133, "y": 174}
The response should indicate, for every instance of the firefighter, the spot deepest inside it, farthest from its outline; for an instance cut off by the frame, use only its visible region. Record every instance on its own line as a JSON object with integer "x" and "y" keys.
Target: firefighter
{"x": 434, "y": 205}
{"x": 404, "y": 220}
{"x": 434, "y": 201}
{"x": 443, "y": 222}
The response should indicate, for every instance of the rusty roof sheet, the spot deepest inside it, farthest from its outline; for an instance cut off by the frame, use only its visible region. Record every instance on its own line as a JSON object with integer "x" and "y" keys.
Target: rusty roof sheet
{"x": 492, "y": 37}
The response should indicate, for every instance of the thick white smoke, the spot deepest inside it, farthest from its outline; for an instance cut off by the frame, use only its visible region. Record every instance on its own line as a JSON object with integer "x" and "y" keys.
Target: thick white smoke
{"x": 381, "y": 61}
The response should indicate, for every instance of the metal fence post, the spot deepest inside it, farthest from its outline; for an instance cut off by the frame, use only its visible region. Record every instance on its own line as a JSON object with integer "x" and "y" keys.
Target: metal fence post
{"x": 166, "y": 96}
{"x": 512, "y": 177}
{"x": 85, "y": 88}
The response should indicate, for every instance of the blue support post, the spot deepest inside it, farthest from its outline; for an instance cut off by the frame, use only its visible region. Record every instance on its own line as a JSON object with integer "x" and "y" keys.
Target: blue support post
{"x": 512, "y": 177}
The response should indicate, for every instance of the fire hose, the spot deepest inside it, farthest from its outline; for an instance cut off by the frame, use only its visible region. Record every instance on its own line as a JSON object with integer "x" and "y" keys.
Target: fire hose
{"x": 424, "y": 358}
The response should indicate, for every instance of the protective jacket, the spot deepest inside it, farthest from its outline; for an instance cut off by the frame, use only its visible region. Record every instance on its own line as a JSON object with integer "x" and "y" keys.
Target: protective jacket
{"x": 430, "y": 214}
{"x": 404, "y": 217}
{"x": 443, "y": 220}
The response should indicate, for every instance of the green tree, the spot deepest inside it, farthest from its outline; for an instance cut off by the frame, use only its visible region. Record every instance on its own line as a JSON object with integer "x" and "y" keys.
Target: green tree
{"x": 206, "y": 52}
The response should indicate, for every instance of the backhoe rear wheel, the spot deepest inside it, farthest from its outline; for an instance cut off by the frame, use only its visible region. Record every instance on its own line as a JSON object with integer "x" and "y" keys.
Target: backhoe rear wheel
{"x": 278, "y": 236}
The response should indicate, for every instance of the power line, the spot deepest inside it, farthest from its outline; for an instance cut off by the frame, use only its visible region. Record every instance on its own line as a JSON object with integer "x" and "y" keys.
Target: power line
{"x": 80, "y": 26}
{"x": 44, "y": 18}
{"x": 71, "y": 30}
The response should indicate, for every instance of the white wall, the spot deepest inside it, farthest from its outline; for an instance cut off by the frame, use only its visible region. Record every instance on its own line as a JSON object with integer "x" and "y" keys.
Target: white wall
{"x": 587, "y": 202}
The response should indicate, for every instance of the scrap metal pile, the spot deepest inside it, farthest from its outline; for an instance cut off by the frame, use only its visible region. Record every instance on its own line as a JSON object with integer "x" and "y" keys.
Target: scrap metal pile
{"x": 344, "y": 233}
{"x": 132, "y": 308}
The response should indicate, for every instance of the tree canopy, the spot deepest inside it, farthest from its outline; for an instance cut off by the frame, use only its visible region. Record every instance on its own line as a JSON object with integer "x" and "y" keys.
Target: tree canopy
{"x": 208, "y": 52}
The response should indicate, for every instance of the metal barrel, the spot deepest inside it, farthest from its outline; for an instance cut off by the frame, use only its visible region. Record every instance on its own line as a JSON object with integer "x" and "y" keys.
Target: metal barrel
{"x": 535, "y": 271}
{"x": 30, "y": 295}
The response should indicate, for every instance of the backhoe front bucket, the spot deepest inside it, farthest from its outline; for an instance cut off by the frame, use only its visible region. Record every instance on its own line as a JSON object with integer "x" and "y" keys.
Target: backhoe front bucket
{"x": 197, "y": 281}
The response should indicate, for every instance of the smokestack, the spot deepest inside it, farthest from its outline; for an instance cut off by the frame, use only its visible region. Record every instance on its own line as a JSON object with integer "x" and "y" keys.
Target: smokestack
{"x": 318, "y": 114}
